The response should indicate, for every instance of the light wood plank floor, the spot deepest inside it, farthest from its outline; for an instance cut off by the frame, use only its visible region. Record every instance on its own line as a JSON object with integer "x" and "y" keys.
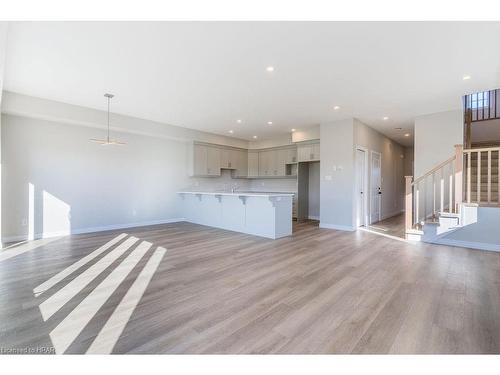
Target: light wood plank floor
{"x": 214, "y": 291}
{"x": 392, "y": 226}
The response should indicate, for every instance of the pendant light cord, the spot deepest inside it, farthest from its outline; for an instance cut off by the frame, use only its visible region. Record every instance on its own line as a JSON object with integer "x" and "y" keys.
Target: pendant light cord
{"x": 108, "y": 117}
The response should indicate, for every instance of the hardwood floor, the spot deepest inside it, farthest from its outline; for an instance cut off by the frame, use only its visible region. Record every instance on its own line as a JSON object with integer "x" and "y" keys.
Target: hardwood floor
{"x": 392, "y": 226}
{"x": 214, "y": 291}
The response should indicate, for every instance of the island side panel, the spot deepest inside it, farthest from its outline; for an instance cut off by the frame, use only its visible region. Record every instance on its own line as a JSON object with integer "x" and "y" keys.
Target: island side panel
{"x": 260, "y": 217}
{"x": 283, "y": 216}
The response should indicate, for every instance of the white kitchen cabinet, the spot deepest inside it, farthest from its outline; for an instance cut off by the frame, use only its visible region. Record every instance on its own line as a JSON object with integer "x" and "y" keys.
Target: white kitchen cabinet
{"x": 316, "y": 151}
{"x": 281, "y": 161}
{"x": 225, "y": 158}
{"x": 205, "y": 160}
{"x": 199, "y": 160}
{"x": 291, "y": 155}
{"x": 213, "y": 161}
{"x": 239, "y": 161}
{"x": 308, "y": 152}
{"x": 268, "y": 163}
{"x": 253, "y": 163}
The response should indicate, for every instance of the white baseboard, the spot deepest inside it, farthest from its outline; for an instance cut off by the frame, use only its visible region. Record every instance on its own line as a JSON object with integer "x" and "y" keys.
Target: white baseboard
{"x": 313, "y": 217}
{"x": 337, "y": 227}
{"x": 467, "y": 244}
{"x": 24, "y": 237}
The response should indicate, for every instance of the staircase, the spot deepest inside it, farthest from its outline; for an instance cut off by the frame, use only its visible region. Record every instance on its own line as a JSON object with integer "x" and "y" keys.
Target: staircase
{"x": 457, "y": 202}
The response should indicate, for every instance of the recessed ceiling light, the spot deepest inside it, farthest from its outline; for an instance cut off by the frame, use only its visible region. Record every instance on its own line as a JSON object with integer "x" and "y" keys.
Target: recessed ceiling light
{"x": 336, "y": 108}
{"x": 293, "y": 130}
{"x": 254, "y": 137}
{"x": 270, "y": 68}
{"x": 269, "y": 123}
{"x": 231, "y": 132}
{"x": 466, "y": 77}
{"x": 385, "y": 118}
{"x": 238, "y": 121}
{"x": 407, "y": 134}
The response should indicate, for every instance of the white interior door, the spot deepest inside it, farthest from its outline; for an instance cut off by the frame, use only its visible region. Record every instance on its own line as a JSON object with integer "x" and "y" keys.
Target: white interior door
{"x": 360, "y": 187}
{"x": 376, "y": 187}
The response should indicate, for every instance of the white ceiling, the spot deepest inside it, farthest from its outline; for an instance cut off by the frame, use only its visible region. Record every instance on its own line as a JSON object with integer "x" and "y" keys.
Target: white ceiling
{"x": 206, "y": 75}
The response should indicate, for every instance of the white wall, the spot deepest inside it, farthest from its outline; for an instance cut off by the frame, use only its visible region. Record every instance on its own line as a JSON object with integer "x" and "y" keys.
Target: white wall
{"x": 486, "y": 131}
{"x": 307, "y": 134}
{"x": 337, "y": 175}
{"x": 392, "y": 168}
{"x": 3, "y": 48}
{"x": 409, "y": 160}
{"x": 271, "y": 142}
{"x": 80, "y": 186}
{"x": 435, "y": 137}
{"x": 482, "y": 234}
{"x": 282, "y": 185}
{"x": 28, "y": 106}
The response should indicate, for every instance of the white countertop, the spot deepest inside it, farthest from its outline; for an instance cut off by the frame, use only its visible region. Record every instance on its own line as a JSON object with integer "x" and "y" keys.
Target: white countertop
{"x": 239, "y": 193}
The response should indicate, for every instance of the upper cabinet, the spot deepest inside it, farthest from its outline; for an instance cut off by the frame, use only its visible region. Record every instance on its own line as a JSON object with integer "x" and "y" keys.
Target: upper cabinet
{"x": 208, "y": 160}
{"x": 308, "y": 151}
{"x": 238, "y": 160}
{"x": 253, "y": 163}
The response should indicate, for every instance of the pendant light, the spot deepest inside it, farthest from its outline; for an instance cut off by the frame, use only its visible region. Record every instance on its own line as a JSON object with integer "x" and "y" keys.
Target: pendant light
{"x": 107, "y": 141}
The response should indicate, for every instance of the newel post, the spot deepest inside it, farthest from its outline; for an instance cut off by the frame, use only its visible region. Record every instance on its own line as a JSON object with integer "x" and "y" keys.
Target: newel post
{"x": 408, "y": 203}
{"x": 459, "y": 166}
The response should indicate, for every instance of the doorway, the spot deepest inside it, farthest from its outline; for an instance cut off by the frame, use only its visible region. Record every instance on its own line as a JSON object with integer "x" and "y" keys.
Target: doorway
{"x": 361, "y": 179}
{"x": 375, "y": 187}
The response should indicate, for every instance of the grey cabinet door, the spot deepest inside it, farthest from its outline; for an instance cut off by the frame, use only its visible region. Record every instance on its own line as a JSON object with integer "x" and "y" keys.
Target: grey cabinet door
{"x": 264, "y": 163}
{"x": 239, "y": 161}
{"x": 291, "y": 156}
{"x": 316, "y": 151}
{"x": 253, "y": 164}
{"x": 304, "y": 152}
{"x": 281, "y": 160}
{"x": 225, "y": 158}
{"x": 213, "y": 161}
{"x": 199, "y": 160}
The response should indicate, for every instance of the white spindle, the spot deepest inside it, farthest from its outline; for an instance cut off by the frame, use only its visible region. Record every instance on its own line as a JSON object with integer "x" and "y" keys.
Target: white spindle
{"x": 450, "y": 199}
{"x": 478, "y": 177}
{"x": 441, "y": 192}
{"x": 469, "y": 176}
{"x": 417, "y": 204}
{"x": 434, "y": 195}
{"x": 489, "y": 176}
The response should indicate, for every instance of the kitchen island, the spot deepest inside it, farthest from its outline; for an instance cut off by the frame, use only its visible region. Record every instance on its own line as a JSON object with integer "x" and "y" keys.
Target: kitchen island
{"x": 261, "y": 214}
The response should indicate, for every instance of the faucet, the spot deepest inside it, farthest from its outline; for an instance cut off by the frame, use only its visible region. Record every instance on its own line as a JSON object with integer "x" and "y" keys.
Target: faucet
{"x": 233, "y": 189}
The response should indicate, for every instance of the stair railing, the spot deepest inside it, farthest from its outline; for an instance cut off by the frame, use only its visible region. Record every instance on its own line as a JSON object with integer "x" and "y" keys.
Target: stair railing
{"x": 438, "y": 190}
{"x": 480, "y": 161}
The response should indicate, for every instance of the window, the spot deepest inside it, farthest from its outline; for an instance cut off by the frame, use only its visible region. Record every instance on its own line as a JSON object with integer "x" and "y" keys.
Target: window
{"x": 480, "y": 100}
